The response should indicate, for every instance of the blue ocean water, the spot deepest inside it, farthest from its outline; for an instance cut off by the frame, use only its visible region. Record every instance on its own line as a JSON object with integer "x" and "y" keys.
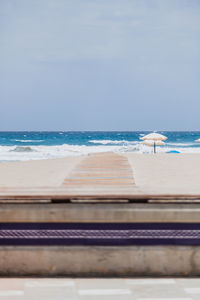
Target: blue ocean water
{"x": 42, "y": 145}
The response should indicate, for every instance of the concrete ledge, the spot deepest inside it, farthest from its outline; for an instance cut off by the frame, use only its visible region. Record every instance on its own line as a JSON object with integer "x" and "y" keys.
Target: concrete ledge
{"x": 100, "y": 261}
{"x": 124, "y": 212}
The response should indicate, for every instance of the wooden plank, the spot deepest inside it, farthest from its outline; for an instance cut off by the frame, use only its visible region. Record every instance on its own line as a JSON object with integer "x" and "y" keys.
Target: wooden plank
{"x": 104, "y": 169}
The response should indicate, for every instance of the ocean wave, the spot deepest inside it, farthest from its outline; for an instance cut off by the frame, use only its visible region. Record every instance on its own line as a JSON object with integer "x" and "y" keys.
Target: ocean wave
{"x": 28, "y": 141}
{"x": 112, "y": 142}
{"x": 20, "y": 153}
{"x": 182, "y": 144}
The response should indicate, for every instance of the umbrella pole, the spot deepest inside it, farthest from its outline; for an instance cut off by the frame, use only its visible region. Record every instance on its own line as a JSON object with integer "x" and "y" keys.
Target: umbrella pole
{"x": 154, "y": 147}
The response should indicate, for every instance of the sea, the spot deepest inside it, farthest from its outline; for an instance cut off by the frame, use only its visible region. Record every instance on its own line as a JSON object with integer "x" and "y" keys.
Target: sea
{"x": 29, "y": 145}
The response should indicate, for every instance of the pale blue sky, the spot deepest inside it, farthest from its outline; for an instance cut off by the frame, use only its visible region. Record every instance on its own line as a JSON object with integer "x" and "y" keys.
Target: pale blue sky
{"x": 100, "y": 64}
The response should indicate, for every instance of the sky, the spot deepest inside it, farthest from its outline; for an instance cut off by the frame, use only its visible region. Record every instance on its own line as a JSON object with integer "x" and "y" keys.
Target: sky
{"x": 99, "y": 65}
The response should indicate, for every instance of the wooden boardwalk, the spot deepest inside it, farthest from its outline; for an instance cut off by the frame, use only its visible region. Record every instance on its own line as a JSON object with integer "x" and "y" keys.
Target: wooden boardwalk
{"x": 98, "y": 176}
{"x": 105, "y": 170}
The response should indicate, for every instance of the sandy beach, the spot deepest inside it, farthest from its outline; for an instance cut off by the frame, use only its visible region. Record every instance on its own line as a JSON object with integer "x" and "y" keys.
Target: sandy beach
{"x": 170, "y": 173}
{"x": 35, "y": 173}
{"x": 178, "y": 173}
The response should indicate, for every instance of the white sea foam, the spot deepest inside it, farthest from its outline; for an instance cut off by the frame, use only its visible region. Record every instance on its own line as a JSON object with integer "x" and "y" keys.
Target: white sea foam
{"x": 182, "y": 144}
{"x": 28, "y": 141}
{"x": 113, "y": 142}
{"x": 20, "y": 153}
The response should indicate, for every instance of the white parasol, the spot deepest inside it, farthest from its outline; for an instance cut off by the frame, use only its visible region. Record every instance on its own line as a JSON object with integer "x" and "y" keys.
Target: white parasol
{"x": 154, "y": 139}
{"x": 151, "y": 143}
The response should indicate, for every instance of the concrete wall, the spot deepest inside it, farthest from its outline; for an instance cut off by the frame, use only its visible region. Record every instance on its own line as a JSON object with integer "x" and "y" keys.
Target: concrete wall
{"x": 129, "y": 212}
{"x": 100, "y": 261}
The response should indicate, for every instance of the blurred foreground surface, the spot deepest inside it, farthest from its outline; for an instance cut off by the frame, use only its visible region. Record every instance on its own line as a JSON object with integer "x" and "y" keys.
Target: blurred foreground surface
{"x": 106, "y": 289}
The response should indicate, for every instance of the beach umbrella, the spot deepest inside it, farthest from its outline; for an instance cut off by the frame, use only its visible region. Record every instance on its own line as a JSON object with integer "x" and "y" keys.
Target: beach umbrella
{"x": 155, "y": 139}
{"x": 151, "y": 143}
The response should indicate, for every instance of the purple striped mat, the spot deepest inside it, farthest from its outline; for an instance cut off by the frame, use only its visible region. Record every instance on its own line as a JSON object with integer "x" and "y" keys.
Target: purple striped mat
{"x": 105, "y": 234}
